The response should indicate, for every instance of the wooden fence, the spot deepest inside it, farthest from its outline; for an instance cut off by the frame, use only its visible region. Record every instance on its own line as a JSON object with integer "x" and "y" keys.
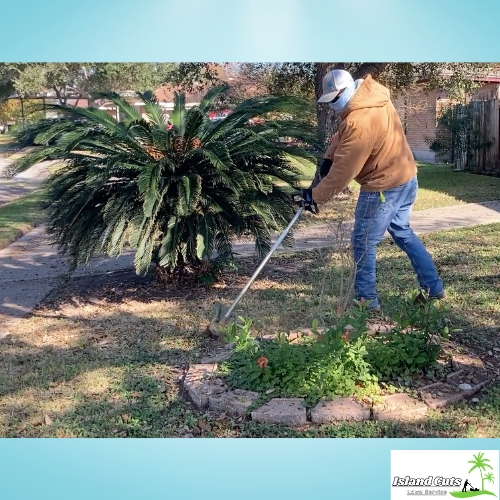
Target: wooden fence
{"x": 476, "y": 146}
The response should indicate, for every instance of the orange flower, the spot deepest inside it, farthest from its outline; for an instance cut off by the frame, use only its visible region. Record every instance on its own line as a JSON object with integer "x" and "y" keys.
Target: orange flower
{"x": 262, "y": 362}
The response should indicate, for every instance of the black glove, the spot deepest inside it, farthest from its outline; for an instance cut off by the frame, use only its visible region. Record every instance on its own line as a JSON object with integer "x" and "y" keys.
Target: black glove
{"x": 323, "y": 172}
{"x": 325, "y": 168}
{"x": 316, "y": 181}
{"x": 307, "y": 201}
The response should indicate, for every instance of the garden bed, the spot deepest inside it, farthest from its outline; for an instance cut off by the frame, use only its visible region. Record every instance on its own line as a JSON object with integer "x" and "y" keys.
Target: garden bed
{"x": 106, "y": 356}
{"x": 346, "y": 373}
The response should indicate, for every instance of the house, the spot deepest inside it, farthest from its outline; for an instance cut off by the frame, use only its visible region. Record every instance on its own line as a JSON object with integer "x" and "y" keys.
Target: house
{"x": 165, "y": 97}
{"x": 419, "y": 111}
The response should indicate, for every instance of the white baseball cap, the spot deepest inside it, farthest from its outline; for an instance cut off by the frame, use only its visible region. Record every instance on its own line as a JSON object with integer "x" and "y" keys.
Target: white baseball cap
{"x": 334, "y": 82}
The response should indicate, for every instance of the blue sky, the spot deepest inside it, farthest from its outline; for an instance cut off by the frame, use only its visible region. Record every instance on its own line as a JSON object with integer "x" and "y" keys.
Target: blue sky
{"x": 250, "y": 30}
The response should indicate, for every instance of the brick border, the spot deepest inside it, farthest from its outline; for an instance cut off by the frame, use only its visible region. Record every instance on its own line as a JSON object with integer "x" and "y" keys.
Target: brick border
{"x": 209, "y": 392}
{"x": 206, "y": 391}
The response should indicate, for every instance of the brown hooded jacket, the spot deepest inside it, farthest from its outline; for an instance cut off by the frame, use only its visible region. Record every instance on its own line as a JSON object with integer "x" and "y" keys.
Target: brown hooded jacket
{"x": 370, "y": 146}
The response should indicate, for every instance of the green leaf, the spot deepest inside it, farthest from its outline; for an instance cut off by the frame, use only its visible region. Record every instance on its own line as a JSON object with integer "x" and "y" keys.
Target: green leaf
{"x": 200, "y": 246}
{"x": 178, "y": 116}
{"x": 211, "y": 96}
{"x": 204, "y": 237}
{"x": 148, "y": 183}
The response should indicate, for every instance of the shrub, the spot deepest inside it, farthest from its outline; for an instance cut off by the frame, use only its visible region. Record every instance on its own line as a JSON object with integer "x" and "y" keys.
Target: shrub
{"x": 341, "y": 361}
{"x": 414, "y": 343}
{"x": 180, "y": 191}
{"x": 332, "y": 365}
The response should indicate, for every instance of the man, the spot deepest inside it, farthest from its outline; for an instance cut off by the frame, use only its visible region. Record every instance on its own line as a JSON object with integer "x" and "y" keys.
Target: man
{"x": 371, "y": 148}
{"x": 465, "y": 485}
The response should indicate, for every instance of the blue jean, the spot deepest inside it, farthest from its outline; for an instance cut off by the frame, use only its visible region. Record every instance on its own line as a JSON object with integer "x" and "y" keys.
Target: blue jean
{"x": 373, "y": 218}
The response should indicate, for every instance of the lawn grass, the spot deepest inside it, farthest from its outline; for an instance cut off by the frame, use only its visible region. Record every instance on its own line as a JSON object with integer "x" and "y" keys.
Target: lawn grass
{"x": 439, "y": 186}
{"x": 102, "y": 357}
{"x": 20, "y": 216}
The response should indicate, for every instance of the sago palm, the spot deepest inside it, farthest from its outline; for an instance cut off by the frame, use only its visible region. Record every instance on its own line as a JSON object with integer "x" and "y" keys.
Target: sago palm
{"x": 177, "y": 194}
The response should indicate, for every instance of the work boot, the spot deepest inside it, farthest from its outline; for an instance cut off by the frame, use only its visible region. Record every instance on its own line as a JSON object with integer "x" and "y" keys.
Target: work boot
{"x": 423, "y": 298}
{"x": 374, "y": 312}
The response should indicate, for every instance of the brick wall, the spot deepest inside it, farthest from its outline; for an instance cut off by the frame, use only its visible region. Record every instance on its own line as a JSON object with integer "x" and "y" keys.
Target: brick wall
{"x": 419, "y": 112}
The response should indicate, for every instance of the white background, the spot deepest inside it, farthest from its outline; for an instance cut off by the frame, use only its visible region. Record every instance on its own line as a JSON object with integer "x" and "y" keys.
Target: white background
{"x": 445, "y": 463}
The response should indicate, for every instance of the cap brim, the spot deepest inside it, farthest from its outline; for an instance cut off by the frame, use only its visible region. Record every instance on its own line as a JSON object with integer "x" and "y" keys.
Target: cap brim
{"x": 328, "y": 97}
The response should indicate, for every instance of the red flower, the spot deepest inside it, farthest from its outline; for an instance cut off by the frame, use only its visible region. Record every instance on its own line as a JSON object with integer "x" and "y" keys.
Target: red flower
{"x": 262, "y": 362}
{"x": 345, "y": 337}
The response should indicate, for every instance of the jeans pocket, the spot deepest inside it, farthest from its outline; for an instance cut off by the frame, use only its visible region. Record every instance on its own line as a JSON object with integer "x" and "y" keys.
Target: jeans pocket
{"x": 367, "y": 205}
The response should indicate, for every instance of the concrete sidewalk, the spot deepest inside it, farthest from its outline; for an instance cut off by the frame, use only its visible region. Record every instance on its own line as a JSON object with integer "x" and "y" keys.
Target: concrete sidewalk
{"x": 24, "y": 183}
{"x": 425, "y": 221}
{"x": 31, "y": 267}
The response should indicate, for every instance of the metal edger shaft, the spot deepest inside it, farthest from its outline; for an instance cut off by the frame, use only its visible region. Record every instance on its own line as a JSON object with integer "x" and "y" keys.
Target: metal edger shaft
{"x": 264, "y": 262}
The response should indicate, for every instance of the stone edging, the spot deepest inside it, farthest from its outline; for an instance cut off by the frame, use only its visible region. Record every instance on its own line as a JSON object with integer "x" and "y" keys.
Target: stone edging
{"x": 209, "y": 392}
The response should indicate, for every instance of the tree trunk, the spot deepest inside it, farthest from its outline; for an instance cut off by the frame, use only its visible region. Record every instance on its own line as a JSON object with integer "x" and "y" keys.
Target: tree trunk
{"x": 374, "y": 69}
{"x": 327, "y": 123}
{"x": 60, "y": 97}
{"x": 323, "y": 113}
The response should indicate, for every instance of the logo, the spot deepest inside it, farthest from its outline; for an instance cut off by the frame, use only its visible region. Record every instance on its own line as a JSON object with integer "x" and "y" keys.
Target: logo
{"x": 444, "y": 473}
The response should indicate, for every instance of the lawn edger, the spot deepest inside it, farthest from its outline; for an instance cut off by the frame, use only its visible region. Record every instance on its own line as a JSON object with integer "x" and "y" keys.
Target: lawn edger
{"x": 222, "y": 315}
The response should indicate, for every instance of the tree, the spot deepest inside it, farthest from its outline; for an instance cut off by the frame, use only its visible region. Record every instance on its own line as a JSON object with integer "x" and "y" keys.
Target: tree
{"x": 489, "y": 477}
{"x": 176, "y": 194}
{"x": 8, "y": 72}
{"x": 247, "y": 80}
{"x": 196, "y": 76}
{"x": 305, "y": 79}
{"x": 13, "y": 110}
{"x": 479, "y": 462}
{"x": 81, "y": 79}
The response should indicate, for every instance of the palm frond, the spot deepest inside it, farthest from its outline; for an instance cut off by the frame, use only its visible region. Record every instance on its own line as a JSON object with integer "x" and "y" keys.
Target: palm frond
{"x": 209, "y": 98}
{"x": 126, "y": 109}
{"x": 176, "y": 196}
{"x": 178, "y": 117}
